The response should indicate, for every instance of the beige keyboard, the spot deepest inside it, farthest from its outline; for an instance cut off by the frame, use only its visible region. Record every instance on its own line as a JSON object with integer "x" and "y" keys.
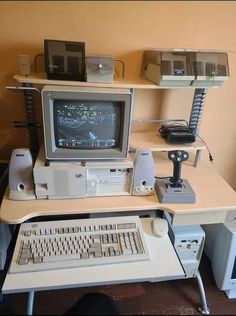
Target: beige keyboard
{"x": 78, "y": 243}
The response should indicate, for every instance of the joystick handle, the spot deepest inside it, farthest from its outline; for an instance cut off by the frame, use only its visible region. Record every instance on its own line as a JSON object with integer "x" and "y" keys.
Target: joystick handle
{"x": 177, "y": 156}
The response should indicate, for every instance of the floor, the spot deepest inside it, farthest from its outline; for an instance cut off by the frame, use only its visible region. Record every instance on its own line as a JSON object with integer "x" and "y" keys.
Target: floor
{"x": 179, "y": 297}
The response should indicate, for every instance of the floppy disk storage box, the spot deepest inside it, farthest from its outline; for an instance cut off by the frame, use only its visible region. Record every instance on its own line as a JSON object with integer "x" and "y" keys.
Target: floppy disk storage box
{"x": 186, "y": 68}
{"x": 168, "y": 68}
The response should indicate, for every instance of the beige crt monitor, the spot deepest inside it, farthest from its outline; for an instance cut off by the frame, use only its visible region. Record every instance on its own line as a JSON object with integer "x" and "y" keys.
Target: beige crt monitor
{"x": 83, "y": 123}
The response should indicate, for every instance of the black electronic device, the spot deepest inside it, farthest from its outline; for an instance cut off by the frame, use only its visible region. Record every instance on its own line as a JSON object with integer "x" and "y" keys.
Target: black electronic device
{"x": 64, "y": 60}
{"x": 177, "y": 134}
{"x": 177, "y": 156}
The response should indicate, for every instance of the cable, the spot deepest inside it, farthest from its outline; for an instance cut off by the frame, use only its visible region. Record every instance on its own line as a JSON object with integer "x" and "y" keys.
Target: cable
{"x": 175, "y": 125}
{"x": 35, "y": 61}
{"x": 123, "y": 67}
{"x": 178, "y": 124}
{"x": 156, "y": 177}
{"x": 209, "y": 153}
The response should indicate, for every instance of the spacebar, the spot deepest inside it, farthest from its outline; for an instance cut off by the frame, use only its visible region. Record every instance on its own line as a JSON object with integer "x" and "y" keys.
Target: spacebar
{"x": 61, "y": 258}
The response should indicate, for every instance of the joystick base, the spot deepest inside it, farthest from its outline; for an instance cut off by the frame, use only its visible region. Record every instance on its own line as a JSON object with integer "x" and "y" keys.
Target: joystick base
{"x": 168, "y": 193}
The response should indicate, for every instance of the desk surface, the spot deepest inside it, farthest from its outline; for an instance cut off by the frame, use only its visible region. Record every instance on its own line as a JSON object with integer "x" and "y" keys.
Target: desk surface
{"x": 214, "y": 198}
{"x": 163, "y": 265}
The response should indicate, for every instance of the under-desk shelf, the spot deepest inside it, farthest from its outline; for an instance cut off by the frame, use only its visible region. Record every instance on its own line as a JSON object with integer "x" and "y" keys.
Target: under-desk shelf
{"x": 163, "y": 265}
{"x": 153, "y": 141}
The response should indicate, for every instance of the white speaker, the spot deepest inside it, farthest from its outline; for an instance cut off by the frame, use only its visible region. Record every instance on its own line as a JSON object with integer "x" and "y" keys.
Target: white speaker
{"x": 144, "y": 174}
{"x": 21, "y": 183}
{"x": 24, "y": 64}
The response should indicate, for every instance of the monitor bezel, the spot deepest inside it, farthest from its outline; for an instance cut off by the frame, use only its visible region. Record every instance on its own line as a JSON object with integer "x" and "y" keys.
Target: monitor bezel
{"x": 50, "y": 93}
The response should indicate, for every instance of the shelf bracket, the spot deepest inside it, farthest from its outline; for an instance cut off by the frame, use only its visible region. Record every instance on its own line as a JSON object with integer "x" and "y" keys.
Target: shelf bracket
{"x": 197, "y": 109}
{"x": 30, "y": 123}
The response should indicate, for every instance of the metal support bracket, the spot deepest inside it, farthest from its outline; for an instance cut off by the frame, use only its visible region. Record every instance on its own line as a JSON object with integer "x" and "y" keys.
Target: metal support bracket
{"x": 197, "y": 109}
{"x": 24, "y": 88}
{"x": 30, "y": 123}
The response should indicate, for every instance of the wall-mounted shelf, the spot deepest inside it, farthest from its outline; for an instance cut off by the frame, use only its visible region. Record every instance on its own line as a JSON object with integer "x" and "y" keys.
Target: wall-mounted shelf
{"x": 153, "y": 141}
{"x": 135, "y": 83}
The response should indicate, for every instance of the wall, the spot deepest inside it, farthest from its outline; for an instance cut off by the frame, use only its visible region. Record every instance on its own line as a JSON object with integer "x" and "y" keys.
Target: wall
{"x": 124, "y": 29}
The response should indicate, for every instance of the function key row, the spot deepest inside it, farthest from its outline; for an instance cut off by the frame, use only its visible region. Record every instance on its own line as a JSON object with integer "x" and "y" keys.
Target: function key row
{"x": 77, "y": 229}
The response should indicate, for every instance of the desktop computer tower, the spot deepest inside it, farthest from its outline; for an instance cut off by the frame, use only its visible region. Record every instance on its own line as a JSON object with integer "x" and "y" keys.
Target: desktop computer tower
{"x": 188, "y": 242}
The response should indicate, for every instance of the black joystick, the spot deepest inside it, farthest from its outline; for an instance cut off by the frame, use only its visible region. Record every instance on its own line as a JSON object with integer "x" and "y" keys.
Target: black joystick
{"x": 175, "y": 189}
{"x": 177, "y": 156}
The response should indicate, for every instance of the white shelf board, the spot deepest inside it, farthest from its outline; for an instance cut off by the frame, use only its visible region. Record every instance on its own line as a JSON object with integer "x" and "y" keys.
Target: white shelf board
{"x": 129, "y": 82}
{"x": 153, "y": 141}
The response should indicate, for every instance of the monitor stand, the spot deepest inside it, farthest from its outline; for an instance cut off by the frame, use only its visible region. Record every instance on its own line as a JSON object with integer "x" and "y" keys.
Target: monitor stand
{"x": 175, "y": 189}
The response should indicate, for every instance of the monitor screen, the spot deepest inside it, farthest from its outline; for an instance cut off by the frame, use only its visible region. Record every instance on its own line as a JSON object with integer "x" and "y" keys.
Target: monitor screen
{"x": 86, "y": 123}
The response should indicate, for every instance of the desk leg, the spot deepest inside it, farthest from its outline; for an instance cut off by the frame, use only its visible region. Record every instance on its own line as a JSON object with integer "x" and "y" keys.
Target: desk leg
{"x": 203, "y": 309}
{"x": 30, "y": 303}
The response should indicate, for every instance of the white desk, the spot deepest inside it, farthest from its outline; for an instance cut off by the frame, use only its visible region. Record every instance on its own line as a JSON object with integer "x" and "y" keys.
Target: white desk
{"x": 215, "y": 198}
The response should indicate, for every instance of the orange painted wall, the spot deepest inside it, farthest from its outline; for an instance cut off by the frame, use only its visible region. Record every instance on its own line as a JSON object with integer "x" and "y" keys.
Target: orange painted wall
{"x": 124, "y": 29}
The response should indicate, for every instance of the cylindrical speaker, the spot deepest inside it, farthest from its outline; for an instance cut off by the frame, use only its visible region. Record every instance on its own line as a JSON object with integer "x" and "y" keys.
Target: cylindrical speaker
{"x": 21, "y": 183}
{"x": 144, "y": 174}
